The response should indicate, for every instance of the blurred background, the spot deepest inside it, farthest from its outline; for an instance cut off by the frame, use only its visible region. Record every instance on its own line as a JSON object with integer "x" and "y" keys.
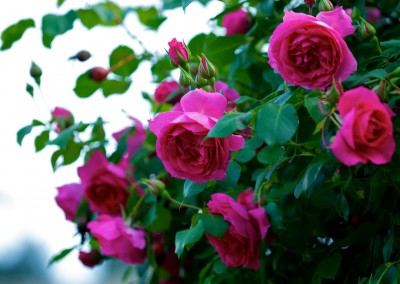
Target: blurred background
{"x": 32, "y": 227}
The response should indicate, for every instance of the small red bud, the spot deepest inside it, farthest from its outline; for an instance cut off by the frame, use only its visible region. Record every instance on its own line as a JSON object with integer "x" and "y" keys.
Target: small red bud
{"x": 98, "y": 74}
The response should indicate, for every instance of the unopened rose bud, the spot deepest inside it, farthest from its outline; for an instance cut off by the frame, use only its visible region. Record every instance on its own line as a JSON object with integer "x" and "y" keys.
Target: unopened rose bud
{"x": 156, "y": 187}
{"x": 367, "y": 30}
{"x": 178, "y": 53}
{"x": 90, "y": 259}
{"x": 98, "y": 74}
{"x": 185, "y": 79}
{"x": 62, "y": 117}
{"x": 309, "y": 3}
{"x": 206, "y": 68}
{"x": 35, "y": 71}
{"x": 325, "y": 5}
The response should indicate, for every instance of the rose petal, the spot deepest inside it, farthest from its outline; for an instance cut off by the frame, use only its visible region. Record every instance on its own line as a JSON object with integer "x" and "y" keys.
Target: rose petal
{"x": 338, "y": 20}
{"x": 198, "y": 100}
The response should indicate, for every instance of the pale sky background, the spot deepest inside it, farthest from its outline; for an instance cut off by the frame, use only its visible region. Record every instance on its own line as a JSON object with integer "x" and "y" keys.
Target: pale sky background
{"x": 27, "y": 183}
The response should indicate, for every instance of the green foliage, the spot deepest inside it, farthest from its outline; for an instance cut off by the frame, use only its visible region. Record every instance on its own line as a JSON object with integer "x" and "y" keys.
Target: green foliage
{"x": 14, "y": 32}
{"x": 150, "y": 17}
{"x": 54, "y": 25}
{"x": 104, "y": 14}
{"x": 188, "y": 237}
{"x": 229, "y": 123}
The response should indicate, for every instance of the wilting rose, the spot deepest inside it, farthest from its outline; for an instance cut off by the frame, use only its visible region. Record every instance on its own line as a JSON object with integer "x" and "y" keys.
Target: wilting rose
{"x": 178, "y": 52}
{"x": 367, "y": 131}
{"x": 118, "y": 240}
{"x": 310, "y": 51}
{"x": 236, "y": 22}
{"x": 134, "y": 136}
{"x": 248, "y": 226}
{"x": 230, "y": 94}
{"x": 181, "y": 143}
{"x": 165, "y": 90}
{"x": 91, "y": 258}
{"x": 104, "y": 184}
{"x": 62, "y": 117}
{"x": 68, "y": 199}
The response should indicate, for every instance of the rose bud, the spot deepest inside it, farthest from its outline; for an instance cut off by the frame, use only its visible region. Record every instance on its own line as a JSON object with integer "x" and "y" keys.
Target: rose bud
{"x": 178, "y": 53}
{"x": 325, "y": 5}
{"x": 98, "y": 74}
{"x": 90, "y": 259}
{"x": 206, "y": 68}
{"x": 237, "y": 22}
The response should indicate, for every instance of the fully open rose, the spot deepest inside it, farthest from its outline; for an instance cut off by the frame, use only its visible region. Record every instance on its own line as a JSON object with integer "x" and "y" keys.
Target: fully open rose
{"x": 105, "y": 185}
{"x": 310, "y": 51}
{"x": 181, "y": 143}
{"x": 240, "y": 245}
{"x": 367, "y": 131}
{"x": 116, "y": 239}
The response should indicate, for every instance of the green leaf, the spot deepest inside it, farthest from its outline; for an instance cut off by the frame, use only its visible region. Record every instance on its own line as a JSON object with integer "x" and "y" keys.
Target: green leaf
{"x": 23, "y": 132}
{"x": 214, "y": 225}
{"x": 185, "y": 4}
{"x": 162, "y": 221}
{"x": 41, "y": 140}
{"x": 391, "y": 43}
{"x": 54, "y": 158}
{"x": 329, "y": 267}
{"x": 72, "y": 152}
{"x": 29, "y": 89}
{"x": 192, "y": 188}
{"x": 275, "y": 124}
{"x": 187, "y": 237}
{"x": 35, "y": 72}
{"x": 313, "y": 108}
{"x": 54, "y": 25}
{"x": 388, "y": 247}
{"x": 126, "y": 56}
{"x": 85, "y": 86}
{"x": 111, "y": 87}
{"x": 98, "y": 133}
{"x": 230, "y": 123}
{"x": 275, "y": 214}
{"x": 60, "y": 256}
{"x": 270, "y": 154}
{"x": 14, "y": 32}
{"x": 219, "y": 50}
{"x": 150, "y": 17}
{"x": 105, "y": 14}
{"x": 309, "y": 179}
{"x": 343, "y": 207}
{"x": 233, "y": 173}
{"x": 63, "y": 138}
{"x": 59, "y": 3}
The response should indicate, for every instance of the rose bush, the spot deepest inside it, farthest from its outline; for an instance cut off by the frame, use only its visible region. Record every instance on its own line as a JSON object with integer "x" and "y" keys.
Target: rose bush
{"x": 313, "y": 134}
{"x": 310, "y": 51}
{"x": 181, "y": 143}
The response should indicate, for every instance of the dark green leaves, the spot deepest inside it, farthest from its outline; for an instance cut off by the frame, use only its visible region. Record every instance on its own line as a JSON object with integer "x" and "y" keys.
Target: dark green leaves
{"x": 214, "y": 225}
{"x": 276, "y": 124}
{"x": 230, "y": 123}
{"x": 187, "y": 237}
{"x": 329, "y": 267}
{"x": 54, "y": 25}
{"x": 23, "y": 132}
{"x": 36, "y": 73}
{"x": 185, "y": 4}
{"x": 309, "y": 179}
{"x": 192, "y": 188}
{"x": 60, "y": 256}
{"x": 150, "y": 17}
{"x": 14, "y": 32}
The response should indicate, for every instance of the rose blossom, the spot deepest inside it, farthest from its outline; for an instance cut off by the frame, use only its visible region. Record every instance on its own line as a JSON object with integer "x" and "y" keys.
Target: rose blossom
{"x": 117, "y": 240}
{"x": 230, "y": 94}
{"x": 134, "y": 138}
{"x": 310, "y": 51}
{"x": 68, "y": 199}
{"x": 164, "y": 90}
{"x": 178, "y": 53}
{"x": 181, "y": 143}
{"x": 91, "y": 258}
{"x": 240, "y": 245}
{"x": 236, "y": 22}
{"x": 104, "y": 184}
{"x": 367, "y": 132}
{"x": 62, "y": 117}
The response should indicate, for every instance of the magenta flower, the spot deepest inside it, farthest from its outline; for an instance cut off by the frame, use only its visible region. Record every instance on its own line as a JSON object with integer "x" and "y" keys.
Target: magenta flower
{"x": 367, "y": 131}
{"x": 178, "y": 53}
{"x": 118, "y": 240}
{"x": 164, "y": 90}
{"x": 68, "y": 199}
{"x": 248, "y": 226}
{"x": 134, "y": 137}
{"x": 181, "y": 143}
{"x": 310, "y": 51}
{"x": 236, "y": 22}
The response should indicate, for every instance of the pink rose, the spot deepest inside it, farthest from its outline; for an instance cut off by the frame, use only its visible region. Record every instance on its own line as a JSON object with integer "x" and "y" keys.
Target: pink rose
{"x": 310, "y": 51}
{"x": 181, "y": 145}
{"x": 178, "y": 53}
{"x": 62, "y": 117}
{"x": 373, "y": 15}
{"x": 104, "y": 184}
{"x": 236, "y": 22}
{"x": 164, "y": 90}
{"x": 230, "y": 94}
{"x": 118, "y": 240}
{"x": 68, "y": 199}
{"x": 367, "y": 131}
{"x": 135, "y": 136}
{"x": 240, "y": 245}
{"x": 90, "y": 259}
